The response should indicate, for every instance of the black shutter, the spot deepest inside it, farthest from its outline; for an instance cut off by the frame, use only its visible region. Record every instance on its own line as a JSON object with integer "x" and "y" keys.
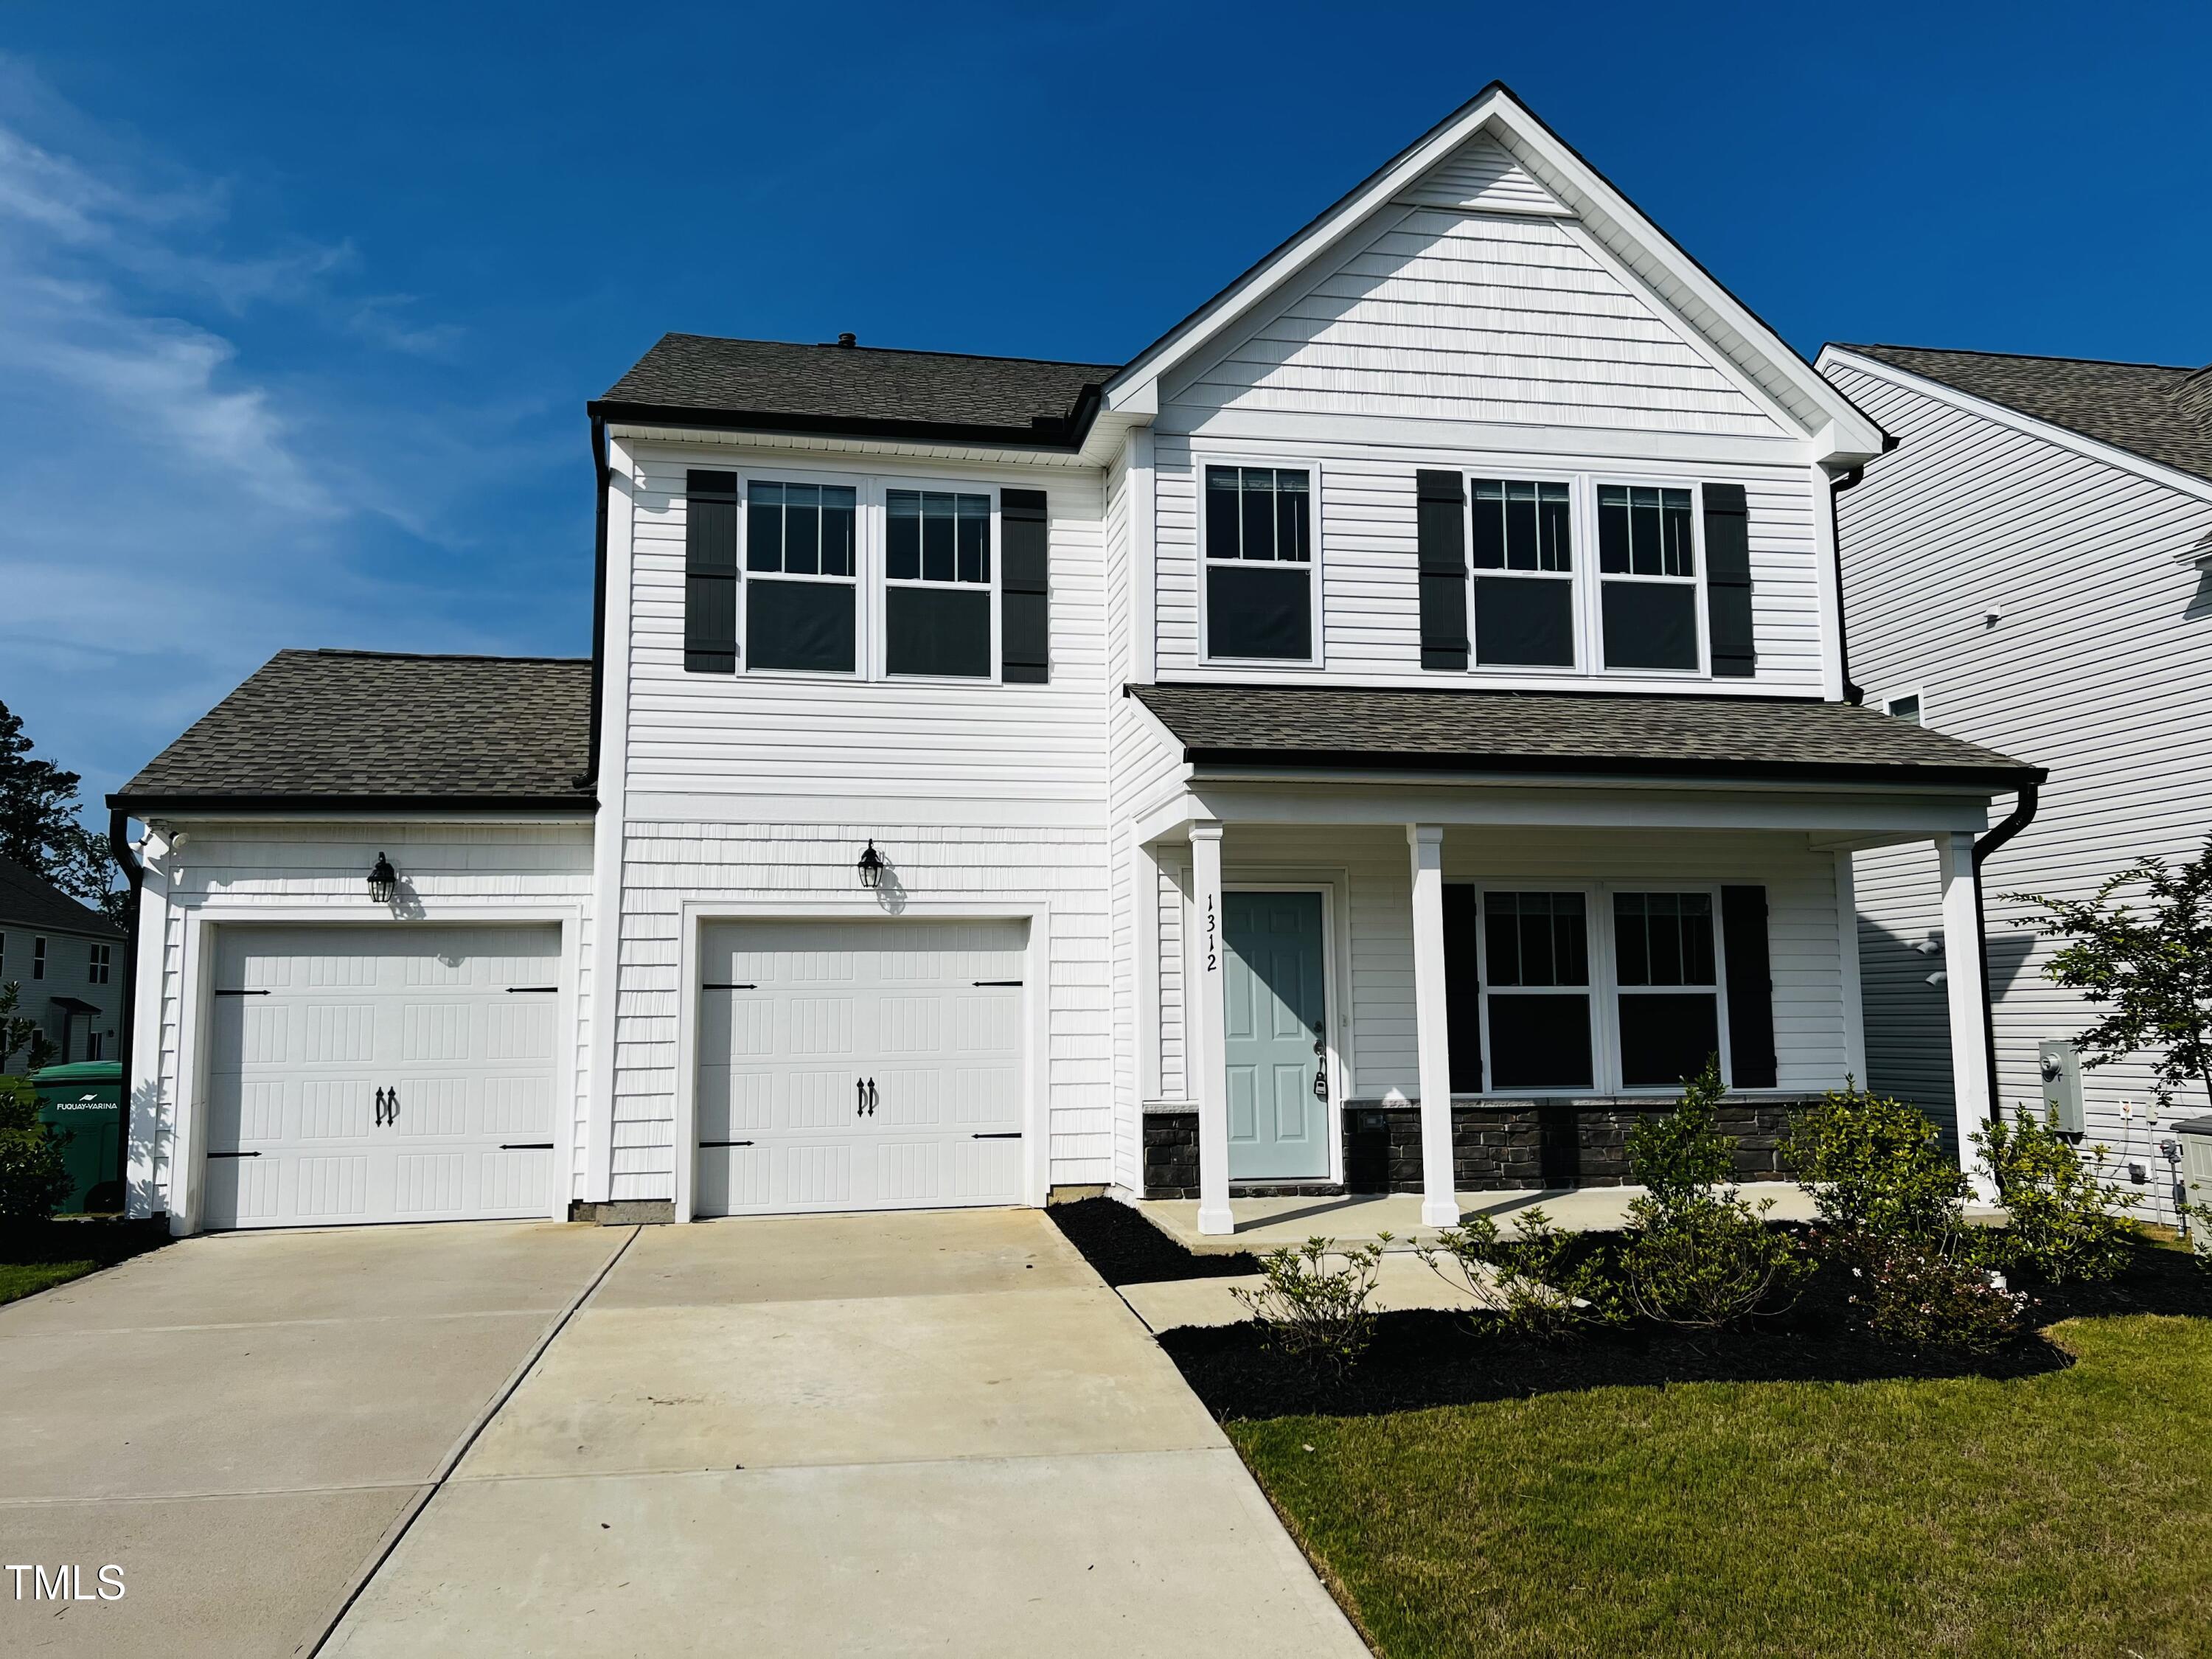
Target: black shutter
{"x": 1728, "y": 580}
{"x": 710, "y": 573}
{"x": 1462, "y": 987}
{"x": 1443, "y": 528}
{"x": 1750, "y": 986}
{"x": 1024, "y": 602}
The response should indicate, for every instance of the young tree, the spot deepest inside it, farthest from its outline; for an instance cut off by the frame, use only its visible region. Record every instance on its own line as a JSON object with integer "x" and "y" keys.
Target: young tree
{"x": 39, "y": 827}
{"x": 2148, "y": 968}
{"x": 20, "y": 1037}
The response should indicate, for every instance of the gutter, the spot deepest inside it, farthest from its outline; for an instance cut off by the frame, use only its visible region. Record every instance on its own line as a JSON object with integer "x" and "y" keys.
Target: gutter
{"x": 605, "y": 474}
{"x": 2022, "y": 814}
{"x": 134, "y": 872}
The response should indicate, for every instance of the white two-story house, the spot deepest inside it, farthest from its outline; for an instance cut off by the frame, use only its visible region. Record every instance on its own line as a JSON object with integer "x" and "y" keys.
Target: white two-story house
{"x": 1385, "y": 735}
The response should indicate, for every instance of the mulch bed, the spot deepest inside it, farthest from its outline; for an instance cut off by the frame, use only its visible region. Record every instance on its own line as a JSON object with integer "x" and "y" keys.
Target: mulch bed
{"x": 94, "y": 1238}
{"x": 1126, "y": 1249}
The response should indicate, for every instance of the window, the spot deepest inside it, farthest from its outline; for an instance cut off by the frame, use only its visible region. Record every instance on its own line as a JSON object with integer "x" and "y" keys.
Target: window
{"x": 1647, "y": 565}
{"x": 800, "y": 602}
{"x": 96, "y": 971}
{"x": 38, "y": 958}
{"x": 1522, "y": 550}
{"x": 1259, "y": 563}
{"x": 1907, "y": 707}
{"x": 937, "y": 583}
{"x": 1669, "y": 981}
{"x": 1536, "y": 979}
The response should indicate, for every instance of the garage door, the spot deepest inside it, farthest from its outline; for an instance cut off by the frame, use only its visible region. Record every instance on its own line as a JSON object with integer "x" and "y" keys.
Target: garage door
{"x": 361, "y": 1074}
{"x": 852, "y": 1066}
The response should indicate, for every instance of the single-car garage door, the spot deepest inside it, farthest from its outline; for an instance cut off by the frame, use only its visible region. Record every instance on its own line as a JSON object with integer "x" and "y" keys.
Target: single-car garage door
{"x": 381, "y": 1073}
{"x": 853, "y": 1065}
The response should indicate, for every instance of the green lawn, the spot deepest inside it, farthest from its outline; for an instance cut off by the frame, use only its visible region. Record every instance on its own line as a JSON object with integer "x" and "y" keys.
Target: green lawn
{"x": 38, "y": 1257}
{"x": 2069, "y": 1513}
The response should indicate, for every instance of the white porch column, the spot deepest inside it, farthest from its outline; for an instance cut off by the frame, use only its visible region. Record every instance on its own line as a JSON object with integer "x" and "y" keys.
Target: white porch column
{"x": 1439, "y": 1206}
{"x": 1203, "y": 1012}
{"x": 1968, "y": 994}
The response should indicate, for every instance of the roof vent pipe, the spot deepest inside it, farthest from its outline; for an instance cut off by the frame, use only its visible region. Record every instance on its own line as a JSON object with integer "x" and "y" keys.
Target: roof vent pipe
{"x": 848, "y": 338}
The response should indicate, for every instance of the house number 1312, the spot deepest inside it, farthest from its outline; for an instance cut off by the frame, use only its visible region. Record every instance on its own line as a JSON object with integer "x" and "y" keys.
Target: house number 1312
{"x": 1211, "y": 961}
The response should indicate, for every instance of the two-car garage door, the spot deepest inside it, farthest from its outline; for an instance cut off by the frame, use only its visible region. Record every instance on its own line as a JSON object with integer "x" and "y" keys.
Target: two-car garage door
{"x": 864, "y": 1065}
{"x": 381, "y": 1073}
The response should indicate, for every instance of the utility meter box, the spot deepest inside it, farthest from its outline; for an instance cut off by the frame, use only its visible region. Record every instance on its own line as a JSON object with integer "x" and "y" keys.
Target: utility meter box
{"x": 2060, "y": 1064}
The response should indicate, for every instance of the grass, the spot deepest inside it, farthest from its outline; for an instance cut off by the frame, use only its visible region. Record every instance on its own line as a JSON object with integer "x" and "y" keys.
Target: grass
{"x": 2069, "y": 1513}
{"x": 38, "y": 1256}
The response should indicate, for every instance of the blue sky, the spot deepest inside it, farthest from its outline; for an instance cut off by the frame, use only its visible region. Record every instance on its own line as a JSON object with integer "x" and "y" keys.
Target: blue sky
{"x": 299, "y": 310}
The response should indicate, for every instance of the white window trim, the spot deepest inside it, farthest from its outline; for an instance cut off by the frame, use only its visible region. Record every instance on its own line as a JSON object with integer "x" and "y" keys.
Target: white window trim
{"x": 1695, "y": 489}
{"x": 884, "y": 581}
{"x": 1604, "y": 988}
{"x": 38, "y": 956}
{"x": 747, "y": 477}
{"x": 1578, "y": 558}
{"x": 1916, "y": 693}
{"x": 1318, "y": 639}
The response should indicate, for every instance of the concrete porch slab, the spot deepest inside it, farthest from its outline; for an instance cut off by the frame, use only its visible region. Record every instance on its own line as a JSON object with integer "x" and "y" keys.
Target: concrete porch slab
{"x": 1401, "y": 1281}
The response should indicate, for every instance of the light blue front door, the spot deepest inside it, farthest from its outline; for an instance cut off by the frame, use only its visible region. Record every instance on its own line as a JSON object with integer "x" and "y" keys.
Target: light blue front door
{"x": 1274, "y": 1015}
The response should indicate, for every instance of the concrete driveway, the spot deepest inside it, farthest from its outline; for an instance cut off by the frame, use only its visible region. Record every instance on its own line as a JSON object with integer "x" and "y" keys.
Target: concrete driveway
{"x": 931, "y": 1433}
{"x": 241, "y": 1422}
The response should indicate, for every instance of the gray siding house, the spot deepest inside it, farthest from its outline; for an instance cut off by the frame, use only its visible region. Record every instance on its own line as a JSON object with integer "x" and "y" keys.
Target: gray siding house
{"x": 2031, "y": 569}
{"x": 66, "y": 960}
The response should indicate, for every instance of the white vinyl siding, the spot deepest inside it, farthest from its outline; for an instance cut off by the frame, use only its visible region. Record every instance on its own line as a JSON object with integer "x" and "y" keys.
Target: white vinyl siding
{"x": 2099, "y": 668}
{"x": 1481, "y": 173}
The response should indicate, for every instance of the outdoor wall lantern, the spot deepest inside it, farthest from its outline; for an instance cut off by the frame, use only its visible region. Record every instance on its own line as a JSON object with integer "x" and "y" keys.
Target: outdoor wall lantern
{"x": 383, "y": 880}
{"x": 871, "y": 868}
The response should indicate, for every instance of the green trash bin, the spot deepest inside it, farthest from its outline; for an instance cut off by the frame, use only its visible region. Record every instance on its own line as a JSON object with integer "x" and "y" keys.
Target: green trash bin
{"x": 82, "y": 1106}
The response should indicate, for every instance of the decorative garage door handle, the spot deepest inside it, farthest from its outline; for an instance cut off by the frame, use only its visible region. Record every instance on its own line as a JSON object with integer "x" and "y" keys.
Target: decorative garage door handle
{"x": 864, "y": 1097}
{"x": 871, "y": 1096}
{"x": 387, "y": 1105}
{"x": 379, "y": 1109}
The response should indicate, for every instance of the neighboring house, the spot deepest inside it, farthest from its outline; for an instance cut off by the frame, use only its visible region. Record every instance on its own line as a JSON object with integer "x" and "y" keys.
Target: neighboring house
{"x": 1383, "y": 735}
{"x": 66, "y": 960}
{"x": 2031, "y": 569}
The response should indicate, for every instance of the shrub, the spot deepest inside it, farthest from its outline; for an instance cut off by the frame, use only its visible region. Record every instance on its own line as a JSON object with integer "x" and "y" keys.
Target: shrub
{"x": 31, "y": 1178}
{"x": 2067, "y": 1221}
{"x": 1919, "y": 1292}
{"x": 1543, "y": 1283}
{"x": 1709, "y": 1260}
{"x": 1681, "y": 1154}
{"x": 1874, "y": 1166}
{"x": 1313, "y": 1311}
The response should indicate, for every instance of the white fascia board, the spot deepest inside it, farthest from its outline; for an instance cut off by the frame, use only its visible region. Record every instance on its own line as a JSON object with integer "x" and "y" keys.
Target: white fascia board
{"x": 834, "y": 443}
{"x": 2127, "y": 461}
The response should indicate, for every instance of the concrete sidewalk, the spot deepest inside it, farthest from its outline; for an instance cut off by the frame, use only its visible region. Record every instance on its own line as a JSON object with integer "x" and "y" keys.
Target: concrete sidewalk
{"x": 888, "y": 1434}
{"x": 240, "y": 1421}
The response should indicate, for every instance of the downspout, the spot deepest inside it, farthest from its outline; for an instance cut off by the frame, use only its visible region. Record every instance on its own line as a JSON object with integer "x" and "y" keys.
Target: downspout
{"x": 604, "y": 473}
{"x": 2022, "y": 814}
{"x": 134, "y": 873}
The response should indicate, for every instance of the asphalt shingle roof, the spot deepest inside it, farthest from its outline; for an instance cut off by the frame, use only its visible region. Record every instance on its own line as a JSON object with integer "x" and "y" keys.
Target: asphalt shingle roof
{"x": 2131, "y": 406}
{"x": 774, "y": 382}
{"x": 1557, "y": 732}
{"x": 372, "y": 728}
{"x": 29, "y": 900}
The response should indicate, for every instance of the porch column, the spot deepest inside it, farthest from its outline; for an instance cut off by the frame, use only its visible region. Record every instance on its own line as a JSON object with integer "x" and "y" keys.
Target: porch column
{"x": 1203, "y": 1012}
{"x": 1969, "y": 996}
{"x": 1439, "y": 1205}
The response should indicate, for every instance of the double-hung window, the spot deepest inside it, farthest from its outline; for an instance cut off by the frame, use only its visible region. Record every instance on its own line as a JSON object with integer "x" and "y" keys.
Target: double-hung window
{"x": 38, "y": 958}
{"x": 937, "y": 583}
{"x": 801, "y": 603}
{"x": 1668, "y": 978}
{"x": 1259, "y": 530}
{"x": 1536, "y": 990}
{"x": 1522, "y": 550}
{"x": 1647, "y": 560}
{"x": 98, "y": 968}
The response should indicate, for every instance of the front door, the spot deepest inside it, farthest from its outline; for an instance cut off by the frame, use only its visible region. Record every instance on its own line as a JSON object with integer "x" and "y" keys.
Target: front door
{"x": 1274, "y": 1023}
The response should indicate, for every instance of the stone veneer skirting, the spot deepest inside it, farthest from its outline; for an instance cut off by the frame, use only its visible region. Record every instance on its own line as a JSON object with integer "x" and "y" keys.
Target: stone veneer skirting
{"x": 1498, "y": 1147}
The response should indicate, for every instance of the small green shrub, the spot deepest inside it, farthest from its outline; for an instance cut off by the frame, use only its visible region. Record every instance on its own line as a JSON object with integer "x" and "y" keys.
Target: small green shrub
{"x": 1874, "y": 1167}
{"x": 1315, "y": 1311}
{"x": 33, "y": 1180}
{"x": 1919, "y": 1292}
{"x": 1543, "y": 1282}
{"x": 1681, "y": 1154}
{"x": 1709, "y": 1260}
{"x": 2067, "y": 1221}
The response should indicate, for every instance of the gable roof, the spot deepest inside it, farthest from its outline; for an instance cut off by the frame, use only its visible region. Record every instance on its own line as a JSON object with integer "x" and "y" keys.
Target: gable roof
{"x": 377, "y": 729}
{"x": 1819, "y": 408}
{"x": 2137, "y": 407}
{"x": 1641, "y": 733}
{"x": 698, "y": 379}
{"x": 28, "y": 899}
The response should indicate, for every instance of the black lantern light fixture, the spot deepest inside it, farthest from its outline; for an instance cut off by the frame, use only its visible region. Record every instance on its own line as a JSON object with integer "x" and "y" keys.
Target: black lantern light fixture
{"x": 383, "y": 880}
{"x": 871, "y": 868}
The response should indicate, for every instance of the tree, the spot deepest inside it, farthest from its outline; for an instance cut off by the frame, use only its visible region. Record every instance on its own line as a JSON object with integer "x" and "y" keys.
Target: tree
{"x": 2149, "y": 968}
{"x": 20, "y": 1034}
{"x": 39, "y": 827}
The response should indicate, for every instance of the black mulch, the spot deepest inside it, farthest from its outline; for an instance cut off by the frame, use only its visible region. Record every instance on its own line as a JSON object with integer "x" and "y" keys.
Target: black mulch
{"x": 1419, "y": 1359}
{"x": 103, "y": 1239}
{"x": 1127, "y": 1249}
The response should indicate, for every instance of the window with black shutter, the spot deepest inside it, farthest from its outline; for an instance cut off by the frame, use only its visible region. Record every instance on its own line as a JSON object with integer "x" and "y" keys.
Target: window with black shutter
{"x": 1728, "y": 580}
{"x": 1522, "y": 550}
{"x": 1259, "y": 563}
{"x": 1024, "y": 580}
{"x": 937, "y": 583}
{"x": 1647, "y": 561}
{"x": 800, "y": 592}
